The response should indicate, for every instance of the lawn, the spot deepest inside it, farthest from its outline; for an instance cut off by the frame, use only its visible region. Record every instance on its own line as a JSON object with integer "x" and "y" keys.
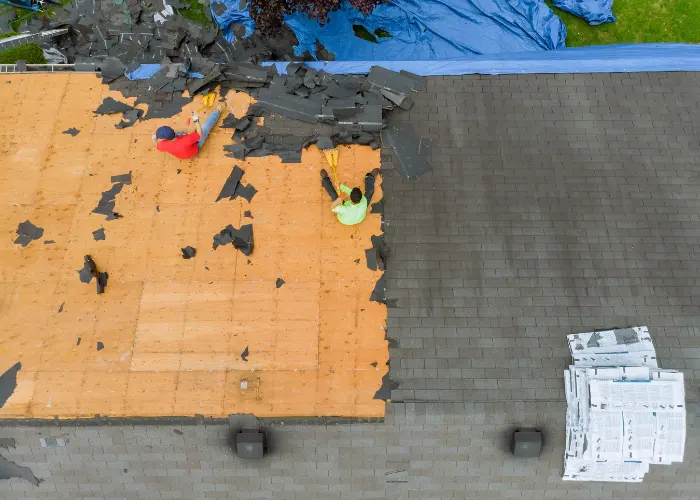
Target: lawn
{"x": 638, "y": 21}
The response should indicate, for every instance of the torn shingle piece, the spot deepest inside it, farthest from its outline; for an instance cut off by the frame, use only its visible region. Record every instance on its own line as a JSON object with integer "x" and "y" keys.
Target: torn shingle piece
{"x": 324, "y": 142}
{"x": 99, "y": 235}
{"x": 122, "y": 178}
{"x": 72, "y": 131}
{"x": 290, "y": 106}
{"x": 419, "y": 81}
{"x": 239, "y": 124}
{"x": 279, "y": 282}
{"x": 100, "y": 346}
{"x": 88, "y": 271}
{"x": 27, "y": 232}
{"x": 49, "y": 242}
{"x": 102, "y": 282}
{"x": 242, "y": 238}
{"x": 232, "y": 182}
{"x": 401, "y": 138}
{"x": 379, "y": 292}
{"x": 388, "y": 385}
{"x": 107, "y": 202}
{"x": 381, "y": 249}
{"x": 110, "y": 106}
{"x": 163, "y": 109}
{"x": 365, "y": 119}
{"x": 248, "y": 214}
{"x": 8, "y": 383}
{"x": 245, "y": 191}
{"x": 129, "y": 118}
{"x": 188, "y": 252}
{"x": 371, "y": 256}
{"x": 245, "y": 354}
{"x": 394, "y": 86}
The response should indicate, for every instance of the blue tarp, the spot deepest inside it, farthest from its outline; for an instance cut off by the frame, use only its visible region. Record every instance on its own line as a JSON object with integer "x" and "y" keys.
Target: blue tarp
{"x": 593, "y": 11}
{"x": 421, "y": 29}
{"x": 630, "y": 58}
{"x": 143, "y": 72}
{"x": 146, "y": 71}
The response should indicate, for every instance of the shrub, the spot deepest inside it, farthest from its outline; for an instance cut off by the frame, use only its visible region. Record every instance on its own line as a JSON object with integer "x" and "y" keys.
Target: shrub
{"x": 31, "y": 53}
{"x": 269, "y": 14}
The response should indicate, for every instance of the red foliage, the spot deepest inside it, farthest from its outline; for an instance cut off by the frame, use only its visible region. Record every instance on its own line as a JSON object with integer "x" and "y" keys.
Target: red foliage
{"x": 268, "y": 14}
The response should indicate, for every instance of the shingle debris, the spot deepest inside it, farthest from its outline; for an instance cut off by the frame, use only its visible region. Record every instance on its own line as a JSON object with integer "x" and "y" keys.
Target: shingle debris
{"x": 99, "y": 235}
{"x": 90, "y": 271}
{"x": 188, "y": 252}
{"x": 72, "y": 131}
{"x": 27, "y": 232}
{"x": 242, "y": 238}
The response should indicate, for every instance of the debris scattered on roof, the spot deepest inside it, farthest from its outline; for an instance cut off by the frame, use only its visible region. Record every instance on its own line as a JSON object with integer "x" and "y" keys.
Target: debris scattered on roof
{"x": 279, "y": 282}
{"x": 72, "y": 131}
{"x": 248, "y": 214}
{"x": 100, "y": 346}
{"x": 60, "y": 309}
{"x": 90, "y": 271}
{"x": 397, "y": 87}
{"x": 381, "y": 249}
{"x": 379, "y": 292}
{"x": 8, "y": 383}
{"x": 122, "y": 178}
{"x": 188, "y": 252}
{"x": 403, "y": 141}
{"x": 129, "y": 118}
{"x": 49, "y": 242}
{"x": 229, "y": 188}
{"x": 78, "y": 342}
{"x": 111, "y": 106}
{"x": 107, "y": 202}
{"x": 245, "y": 354}
{"x": 242, "y": 238}
{"x": 27, "y": 232}
{"x": 99, "y": 234}
{"x": 388, "y": 385}
{"x": 245, "y": 191}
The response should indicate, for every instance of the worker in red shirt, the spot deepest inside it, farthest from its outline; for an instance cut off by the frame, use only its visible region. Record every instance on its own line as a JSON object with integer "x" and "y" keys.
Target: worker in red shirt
{"x": 182, "y": 145}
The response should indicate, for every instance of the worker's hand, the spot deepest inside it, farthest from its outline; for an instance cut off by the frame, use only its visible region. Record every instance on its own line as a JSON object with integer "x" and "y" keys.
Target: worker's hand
{"x": 195, "y": 117}
{"x": 336, "y": 203}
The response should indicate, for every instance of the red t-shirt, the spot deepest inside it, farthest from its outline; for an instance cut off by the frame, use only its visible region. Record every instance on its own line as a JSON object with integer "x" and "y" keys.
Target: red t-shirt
{"x": 183, "y": 146}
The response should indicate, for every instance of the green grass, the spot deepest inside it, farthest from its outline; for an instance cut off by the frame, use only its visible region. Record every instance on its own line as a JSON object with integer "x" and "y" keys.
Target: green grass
{"x": 30, "y": 53}
{"x": 638, "y": 21}
{"x": 195, "y": 12}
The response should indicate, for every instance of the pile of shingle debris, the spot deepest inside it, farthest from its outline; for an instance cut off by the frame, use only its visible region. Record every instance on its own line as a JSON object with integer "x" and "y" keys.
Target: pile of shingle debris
{"x": 119, "y": 36}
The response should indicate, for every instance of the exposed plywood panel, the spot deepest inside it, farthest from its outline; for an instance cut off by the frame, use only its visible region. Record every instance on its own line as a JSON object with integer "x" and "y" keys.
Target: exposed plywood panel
{"x": 168, "y": 336}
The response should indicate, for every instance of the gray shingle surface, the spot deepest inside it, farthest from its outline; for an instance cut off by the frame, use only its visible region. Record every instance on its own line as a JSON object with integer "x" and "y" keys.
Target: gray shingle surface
{"x": 423, "y": 450}
{"x": 557, "y": 204}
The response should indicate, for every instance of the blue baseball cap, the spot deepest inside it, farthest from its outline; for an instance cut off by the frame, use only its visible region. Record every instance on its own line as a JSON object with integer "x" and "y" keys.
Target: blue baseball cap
{"x": 165, "y": 133}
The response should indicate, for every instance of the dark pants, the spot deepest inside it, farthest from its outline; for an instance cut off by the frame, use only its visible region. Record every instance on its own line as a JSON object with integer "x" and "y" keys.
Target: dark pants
{"x": 369, "y": 187}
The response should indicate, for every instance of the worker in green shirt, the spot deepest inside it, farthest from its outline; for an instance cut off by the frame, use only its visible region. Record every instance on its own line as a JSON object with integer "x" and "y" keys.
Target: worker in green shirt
{"x": 353, "y": 211}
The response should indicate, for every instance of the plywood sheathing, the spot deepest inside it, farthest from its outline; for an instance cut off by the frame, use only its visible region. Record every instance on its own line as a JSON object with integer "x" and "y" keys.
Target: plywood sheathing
{"x": 173, "y": 329}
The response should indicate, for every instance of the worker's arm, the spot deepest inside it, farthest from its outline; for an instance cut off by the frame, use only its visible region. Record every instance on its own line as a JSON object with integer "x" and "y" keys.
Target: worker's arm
{"x": 345, "y": 189}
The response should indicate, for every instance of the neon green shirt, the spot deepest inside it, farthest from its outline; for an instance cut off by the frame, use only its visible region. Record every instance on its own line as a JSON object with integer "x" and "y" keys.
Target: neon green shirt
{"x": 349, "y": 213}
